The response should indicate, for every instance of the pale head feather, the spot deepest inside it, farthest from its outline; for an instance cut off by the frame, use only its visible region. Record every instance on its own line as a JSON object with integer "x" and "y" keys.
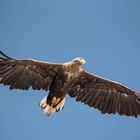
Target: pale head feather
{"x": 79, "y": 60}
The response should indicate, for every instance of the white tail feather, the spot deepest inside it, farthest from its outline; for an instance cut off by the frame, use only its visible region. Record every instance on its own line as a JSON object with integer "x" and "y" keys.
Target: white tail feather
{"x": 43, "y": 103}
{"x": 49, "y": 110}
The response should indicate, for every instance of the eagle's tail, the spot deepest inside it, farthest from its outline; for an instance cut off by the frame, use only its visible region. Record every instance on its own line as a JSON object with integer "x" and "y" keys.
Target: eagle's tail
{"x": 50, "y": 110}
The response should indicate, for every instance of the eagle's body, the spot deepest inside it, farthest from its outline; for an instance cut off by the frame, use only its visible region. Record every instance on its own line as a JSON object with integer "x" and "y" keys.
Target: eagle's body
{"x": 61, "y": 86}
{"x": 68, "y": 78}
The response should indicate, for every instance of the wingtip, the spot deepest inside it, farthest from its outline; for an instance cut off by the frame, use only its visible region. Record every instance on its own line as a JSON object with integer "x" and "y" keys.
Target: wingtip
{"x": 4, "y": 56}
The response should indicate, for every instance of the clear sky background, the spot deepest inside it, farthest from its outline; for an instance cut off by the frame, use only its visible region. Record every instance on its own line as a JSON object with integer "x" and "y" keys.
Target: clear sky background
{"x": 105, "y": 32}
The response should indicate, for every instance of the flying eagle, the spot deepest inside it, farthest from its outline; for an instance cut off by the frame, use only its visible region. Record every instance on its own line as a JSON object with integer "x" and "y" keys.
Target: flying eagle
{"x": 68, "y": 78}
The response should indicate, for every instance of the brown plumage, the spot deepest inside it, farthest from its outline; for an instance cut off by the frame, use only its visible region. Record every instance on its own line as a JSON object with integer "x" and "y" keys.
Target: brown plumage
{"x": 68, "y": 78}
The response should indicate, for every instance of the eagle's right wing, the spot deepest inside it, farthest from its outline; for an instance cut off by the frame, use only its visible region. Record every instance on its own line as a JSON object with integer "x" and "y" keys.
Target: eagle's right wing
{"x": 23, "y": 74}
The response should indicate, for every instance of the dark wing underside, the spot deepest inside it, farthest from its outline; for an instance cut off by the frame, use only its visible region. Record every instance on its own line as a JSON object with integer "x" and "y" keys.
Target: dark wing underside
{"x": 107, "y": 96}
{"x": 23, "y": 74}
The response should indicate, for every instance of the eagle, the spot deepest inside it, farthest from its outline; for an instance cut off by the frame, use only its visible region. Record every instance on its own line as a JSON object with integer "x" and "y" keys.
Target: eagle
{"x": 70, "y": 79}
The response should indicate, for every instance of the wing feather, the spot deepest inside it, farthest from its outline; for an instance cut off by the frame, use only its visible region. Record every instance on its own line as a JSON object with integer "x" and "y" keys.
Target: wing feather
{"x": 105, "y": 95}
{"x": 101, "y": 105}
{"x": 23, "y": 74}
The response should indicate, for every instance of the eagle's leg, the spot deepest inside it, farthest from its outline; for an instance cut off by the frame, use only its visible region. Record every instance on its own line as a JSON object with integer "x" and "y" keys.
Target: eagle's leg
{"x": 56, "y": 105}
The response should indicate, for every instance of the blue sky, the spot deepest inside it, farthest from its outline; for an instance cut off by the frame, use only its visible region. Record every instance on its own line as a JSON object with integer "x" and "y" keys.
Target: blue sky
{"x": 105, "y": 33}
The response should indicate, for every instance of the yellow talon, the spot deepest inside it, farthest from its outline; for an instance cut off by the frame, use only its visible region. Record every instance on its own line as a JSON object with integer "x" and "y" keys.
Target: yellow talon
{"x": 58, "y": 100}
{"x": 55, "y": 101}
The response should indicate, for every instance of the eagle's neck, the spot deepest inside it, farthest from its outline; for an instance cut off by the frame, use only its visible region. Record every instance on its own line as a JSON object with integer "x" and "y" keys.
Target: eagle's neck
{"x": 73, "y": 69}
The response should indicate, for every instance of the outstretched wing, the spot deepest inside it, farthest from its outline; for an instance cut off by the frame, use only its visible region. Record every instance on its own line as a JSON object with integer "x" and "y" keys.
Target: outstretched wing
{"x": 23, "y": 74}
{"x": 107, "y": 96}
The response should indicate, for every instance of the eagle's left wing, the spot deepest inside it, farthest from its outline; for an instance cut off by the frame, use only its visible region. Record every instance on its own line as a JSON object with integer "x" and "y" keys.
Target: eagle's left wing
{"x": 105, "y": 95}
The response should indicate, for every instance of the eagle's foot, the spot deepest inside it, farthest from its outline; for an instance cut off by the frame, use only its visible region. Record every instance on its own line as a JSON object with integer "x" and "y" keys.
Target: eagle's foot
{"x": 60, "y": 106}
{"x": 50, "y": 110}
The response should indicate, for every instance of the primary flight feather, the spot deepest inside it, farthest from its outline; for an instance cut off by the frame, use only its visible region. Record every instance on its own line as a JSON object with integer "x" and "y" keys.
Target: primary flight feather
{"x": 68, "y": 78}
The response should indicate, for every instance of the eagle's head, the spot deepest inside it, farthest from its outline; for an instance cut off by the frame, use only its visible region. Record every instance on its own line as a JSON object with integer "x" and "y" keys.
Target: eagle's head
{"x": 79, "y": 60}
